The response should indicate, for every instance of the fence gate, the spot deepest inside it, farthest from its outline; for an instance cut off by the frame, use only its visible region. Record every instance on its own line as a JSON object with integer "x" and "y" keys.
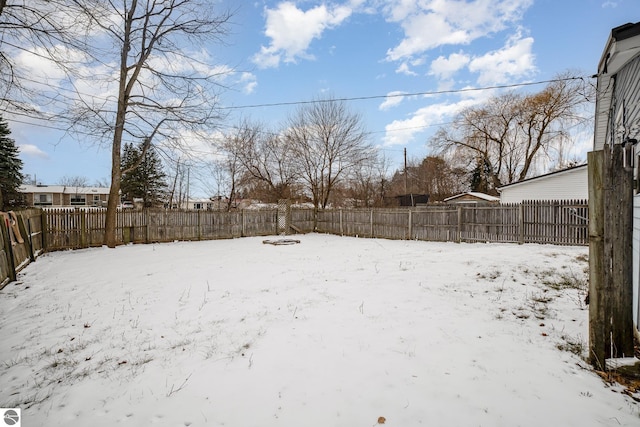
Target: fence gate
{"x": 284, "y": 216}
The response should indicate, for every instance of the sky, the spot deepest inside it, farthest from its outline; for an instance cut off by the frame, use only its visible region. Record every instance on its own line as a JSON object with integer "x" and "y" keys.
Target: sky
{"x": 369, "y": 52}
{"x": 333, "y": 331}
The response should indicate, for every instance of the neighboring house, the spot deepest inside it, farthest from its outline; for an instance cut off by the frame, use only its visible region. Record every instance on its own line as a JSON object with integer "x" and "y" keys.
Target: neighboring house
{"x": 216, "y": 203}
{"x": 567, "y": 184}
{"x": 61, "y": 195}
{"x": 471, "y": 198}
{"x": 617, "y": 123}
{"x": 201, "y": 204}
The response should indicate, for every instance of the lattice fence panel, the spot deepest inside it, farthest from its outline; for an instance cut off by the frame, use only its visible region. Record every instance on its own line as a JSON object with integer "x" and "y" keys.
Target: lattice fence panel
{"x": 284, "y": 216}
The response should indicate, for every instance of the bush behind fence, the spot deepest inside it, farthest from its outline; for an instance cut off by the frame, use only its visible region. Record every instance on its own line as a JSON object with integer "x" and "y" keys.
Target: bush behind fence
{"x": 554, "y": 222}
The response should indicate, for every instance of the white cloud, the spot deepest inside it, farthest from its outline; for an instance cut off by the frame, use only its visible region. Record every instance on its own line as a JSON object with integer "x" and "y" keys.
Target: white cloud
{"x": 433, "y": 23}
{"x": 404, "y": 69}
{"x": 39, "y": 63}
{"x": 402, "y": 132}
{"x": 32, "y": 151}
{"x": 445, "y": 68}
{"x": 292, "y": 30}
{"x": 249, "y": 82}
{"x": 393, "y": 99}
{"x": 515, "y": 59}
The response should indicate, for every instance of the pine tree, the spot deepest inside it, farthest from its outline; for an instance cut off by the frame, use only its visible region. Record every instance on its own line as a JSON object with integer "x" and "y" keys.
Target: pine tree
{"x": 480, "y": 179}
{"x": 10, "y": 170}
{"x": 144, "y": 177}
{"x": 128, "y": 186}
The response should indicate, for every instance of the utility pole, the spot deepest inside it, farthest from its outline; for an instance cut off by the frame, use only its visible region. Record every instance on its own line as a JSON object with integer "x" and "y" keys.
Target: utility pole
{"x": 405, "y": 171}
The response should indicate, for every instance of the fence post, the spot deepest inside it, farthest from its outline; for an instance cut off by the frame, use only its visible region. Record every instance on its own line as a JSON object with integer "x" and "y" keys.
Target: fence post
{"x": 244, "y": 224}
{"x": 409, "y": 236}
{"x": 597, "y": 298}
{"x": 145, "y": 223}
{"x": 610, "y": 275}
{"x": 459, "y": 236}
{"x": 199, "y": 230}
{"x": 341, "y": 226}
{"x": 521, "y": 223}
{"x": 8, "y": 249}
{"x": 371, "y": 222}
{"x": 83, "y": 228}
{"x": 618, "y": 224}
{"x": 43, "y": 228}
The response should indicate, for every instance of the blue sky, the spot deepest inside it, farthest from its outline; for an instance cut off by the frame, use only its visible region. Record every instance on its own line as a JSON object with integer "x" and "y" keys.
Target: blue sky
{"x": 289, "y": 51}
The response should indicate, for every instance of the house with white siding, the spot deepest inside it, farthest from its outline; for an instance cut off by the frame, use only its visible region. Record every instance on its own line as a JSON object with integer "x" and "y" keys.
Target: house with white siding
{"x": 616, "y": 133}
{"x": 567, "y": 184}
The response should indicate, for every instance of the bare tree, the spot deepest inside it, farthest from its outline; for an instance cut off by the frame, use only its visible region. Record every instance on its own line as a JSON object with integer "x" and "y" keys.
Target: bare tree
{"x": 264, "y": 158}
{"x": 228, "y": 169}
{"x": 329, "y": 142}
{"x": 366, "y": 183}
{"x": 164, "y": 88}
{"x": 74, "y": 181}
{"x": 511, "y": 132}
{"x": 48, "y": 30}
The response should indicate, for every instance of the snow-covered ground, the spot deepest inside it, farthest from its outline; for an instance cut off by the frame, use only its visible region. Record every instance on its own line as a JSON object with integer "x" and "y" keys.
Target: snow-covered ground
{"x": 334, "y": 331}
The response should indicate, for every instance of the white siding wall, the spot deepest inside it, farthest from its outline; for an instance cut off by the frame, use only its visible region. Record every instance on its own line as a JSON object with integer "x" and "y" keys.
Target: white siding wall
{"x": 569, "y": 185}
{"x": 636, "y": 260}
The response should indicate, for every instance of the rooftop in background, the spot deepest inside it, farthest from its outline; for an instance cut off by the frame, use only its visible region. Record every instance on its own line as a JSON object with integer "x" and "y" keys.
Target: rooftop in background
{"x": 472, "y": 197}
{"x": 63, "y": 189}
{"x": 543, "y": 176}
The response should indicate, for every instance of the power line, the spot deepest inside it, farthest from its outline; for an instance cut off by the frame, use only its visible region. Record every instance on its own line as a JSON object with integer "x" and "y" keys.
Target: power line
{"x": 345, "y": 99}
{"x": 356, "y": 98}
{"x": 402, "y": 95}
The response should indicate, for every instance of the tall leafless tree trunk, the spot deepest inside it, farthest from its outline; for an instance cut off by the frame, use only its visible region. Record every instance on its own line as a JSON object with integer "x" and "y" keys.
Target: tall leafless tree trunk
{"x": 165, "y": 89}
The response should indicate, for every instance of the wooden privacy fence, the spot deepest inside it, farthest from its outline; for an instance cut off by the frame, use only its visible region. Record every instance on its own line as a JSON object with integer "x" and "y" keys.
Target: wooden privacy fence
{"x": 76, "y": 228}
{"x": 555, "y": 222}
{"x": 20, "y": 242}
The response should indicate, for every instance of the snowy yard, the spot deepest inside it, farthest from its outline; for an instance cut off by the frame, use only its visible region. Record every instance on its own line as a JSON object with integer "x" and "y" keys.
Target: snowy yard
{"x": 333, "y": 331}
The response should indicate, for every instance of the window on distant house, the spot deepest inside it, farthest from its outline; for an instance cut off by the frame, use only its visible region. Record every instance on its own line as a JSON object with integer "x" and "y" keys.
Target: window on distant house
{"x": 42, "y": 199}
{"x": 197, "y": 206}
{"x": 96, "y": 200}
{"x": 78, "y": 199}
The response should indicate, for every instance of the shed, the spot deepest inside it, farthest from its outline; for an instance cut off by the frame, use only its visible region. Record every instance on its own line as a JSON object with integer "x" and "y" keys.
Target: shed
{"x": 567, "y": 184}
{"x": 471, "y": 198}
{"x": 412, "y": 199}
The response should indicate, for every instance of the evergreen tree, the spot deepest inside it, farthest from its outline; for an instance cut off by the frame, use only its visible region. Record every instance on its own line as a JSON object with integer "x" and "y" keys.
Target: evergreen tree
{"x": 10, "y": 170}
{"x": 481, "y": 177}
{"x": 128, "y": 186}
{"x": 142, "y": 176}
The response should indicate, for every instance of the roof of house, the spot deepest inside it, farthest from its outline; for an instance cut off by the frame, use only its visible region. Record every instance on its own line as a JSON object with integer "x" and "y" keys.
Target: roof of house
{"x": 546, "y": 175}
{"x": 63, "y": 189}
{"x": 475, "y": 194}
{"x": 622, "y": 46}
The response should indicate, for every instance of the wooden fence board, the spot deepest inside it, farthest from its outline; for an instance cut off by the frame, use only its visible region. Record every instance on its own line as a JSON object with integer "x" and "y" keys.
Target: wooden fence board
{"x": 555, "y": 222}
{"x": 6, "y": 272}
